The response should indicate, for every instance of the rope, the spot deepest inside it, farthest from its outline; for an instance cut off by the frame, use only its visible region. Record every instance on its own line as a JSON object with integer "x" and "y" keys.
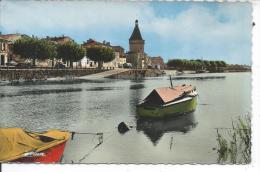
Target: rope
{"x": 101, "y": 140}
{"x": 87, "y": 133}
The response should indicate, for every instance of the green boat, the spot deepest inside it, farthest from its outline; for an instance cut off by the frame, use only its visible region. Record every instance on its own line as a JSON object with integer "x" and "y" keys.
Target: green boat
{"x": 169, "y": 101}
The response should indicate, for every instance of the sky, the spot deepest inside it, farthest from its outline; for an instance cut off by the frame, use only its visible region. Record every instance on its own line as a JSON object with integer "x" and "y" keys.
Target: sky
{"x": 191, "y": 30}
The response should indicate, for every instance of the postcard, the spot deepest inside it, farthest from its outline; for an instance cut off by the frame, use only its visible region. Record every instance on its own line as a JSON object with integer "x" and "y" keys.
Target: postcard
{"x": 125, "y": 82}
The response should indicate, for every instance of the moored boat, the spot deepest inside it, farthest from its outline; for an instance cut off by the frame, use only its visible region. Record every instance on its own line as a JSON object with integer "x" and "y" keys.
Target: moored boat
{"x": 17, "y": 145}
{"x": 169, "y": 101}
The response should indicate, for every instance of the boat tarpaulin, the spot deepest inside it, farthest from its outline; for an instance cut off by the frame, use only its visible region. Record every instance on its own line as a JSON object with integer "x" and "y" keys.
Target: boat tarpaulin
{"x": 167, "y": 94}
{"x": 15, "y": 142}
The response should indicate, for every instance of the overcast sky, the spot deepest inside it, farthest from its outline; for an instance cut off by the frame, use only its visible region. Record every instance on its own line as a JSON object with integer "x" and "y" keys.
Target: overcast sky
{"x": 213, "y": 31}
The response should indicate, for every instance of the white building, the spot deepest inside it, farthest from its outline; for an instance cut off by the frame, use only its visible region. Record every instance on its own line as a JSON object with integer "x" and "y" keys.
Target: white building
{"x": 86, "y": 63}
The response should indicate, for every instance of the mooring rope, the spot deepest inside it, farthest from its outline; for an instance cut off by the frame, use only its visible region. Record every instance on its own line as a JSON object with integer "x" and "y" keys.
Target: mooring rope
{"x": 101, "y": 140}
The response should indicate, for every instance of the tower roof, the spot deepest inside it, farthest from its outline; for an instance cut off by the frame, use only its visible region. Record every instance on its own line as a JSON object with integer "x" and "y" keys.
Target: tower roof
{"x": 136, "y": 35}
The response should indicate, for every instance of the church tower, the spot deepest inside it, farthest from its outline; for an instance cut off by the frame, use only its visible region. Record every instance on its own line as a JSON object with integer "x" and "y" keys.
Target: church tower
{"x": 136, "y": 42}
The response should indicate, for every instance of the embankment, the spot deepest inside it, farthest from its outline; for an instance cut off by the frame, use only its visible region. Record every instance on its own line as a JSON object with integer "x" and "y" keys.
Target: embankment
{"x": 43, "y": 74}
{"x": 136, "y": 73}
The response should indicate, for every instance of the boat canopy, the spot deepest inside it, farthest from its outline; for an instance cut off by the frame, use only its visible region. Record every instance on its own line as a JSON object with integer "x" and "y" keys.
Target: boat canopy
{"x": 15, "y": 142}
{"x": 164, "y": 95}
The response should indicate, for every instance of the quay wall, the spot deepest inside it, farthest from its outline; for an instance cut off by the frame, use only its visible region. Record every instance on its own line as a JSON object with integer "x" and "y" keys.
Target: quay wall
{"x": 42, "y": 74}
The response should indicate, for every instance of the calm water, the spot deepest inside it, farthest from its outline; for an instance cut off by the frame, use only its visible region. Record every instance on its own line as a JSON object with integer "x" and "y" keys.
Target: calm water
{"x": 99, "y": 106}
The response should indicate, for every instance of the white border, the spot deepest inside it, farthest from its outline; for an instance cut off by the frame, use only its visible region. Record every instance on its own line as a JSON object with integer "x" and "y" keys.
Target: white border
{"x": 254, "y": 166}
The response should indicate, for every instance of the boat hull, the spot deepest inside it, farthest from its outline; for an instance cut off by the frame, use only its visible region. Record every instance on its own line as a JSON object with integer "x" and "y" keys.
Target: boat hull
{"x": 183, "y": 107}
{"x": 51, "y": 155}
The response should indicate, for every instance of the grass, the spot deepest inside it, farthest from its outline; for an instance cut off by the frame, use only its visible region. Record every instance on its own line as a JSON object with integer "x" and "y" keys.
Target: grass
{"x": 234, "y": 144}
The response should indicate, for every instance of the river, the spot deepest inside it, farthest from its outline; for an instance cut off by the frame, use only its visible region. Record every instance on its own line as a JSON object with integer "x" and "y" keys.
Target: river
{"x": 100, "y": 105}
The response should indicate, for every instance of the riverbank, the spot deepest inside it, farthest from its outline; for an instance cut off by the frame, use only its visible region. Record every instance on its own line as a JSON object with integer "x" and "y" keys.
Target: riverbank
{"x": 136, "y": 74}
{"x": 44, "y": 74}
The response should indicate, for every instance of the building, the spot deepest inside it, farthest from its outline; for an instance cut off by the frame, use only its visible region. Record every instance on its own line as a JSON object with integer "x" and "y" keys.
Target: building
{"x": 6, "y": 42}
{"x": 119, "y": 60}
{"x": 60, "y": 40}
{"x": 136, "y": 55}
{"x": 11, "y": 37}
{"x": 4, "y": 51}
{"x": 157, "y": 62}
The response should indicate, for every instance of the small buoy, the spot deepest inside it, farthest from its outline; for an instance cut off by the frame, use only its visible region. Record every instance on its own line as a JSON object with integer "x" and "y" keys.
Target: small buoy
{"x": 123, "y": 127}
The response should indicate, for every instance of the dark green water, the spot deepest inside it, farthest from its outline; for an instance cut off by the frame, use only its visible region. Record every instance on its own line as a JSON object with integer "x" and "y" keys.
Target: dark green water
{"x": 99, "y": 106}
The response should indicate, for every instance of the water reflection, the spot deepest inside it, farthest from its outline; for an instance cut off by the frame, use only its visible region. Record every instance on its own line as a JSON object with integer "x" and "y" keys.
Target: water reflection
{"x": 104, "y": 88}
{"x": 155, "y": 128}
{"x": 136, "y": 86}
{"x": 135, "y": 94}
{"x": 54, "y": 82}
{"x": 40, "y": 92}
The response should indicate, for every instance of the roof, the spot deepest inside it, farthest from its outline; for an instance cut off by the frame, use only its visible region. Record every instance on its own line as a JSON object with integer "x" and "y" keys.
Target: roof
{"x": 11, "y": 37}
{"x": 15, "y": 142}
{"x": 136, "y": 35}
{"x": 61, "y": 40}
{"x": 91, "y": 42}
{"x": 167, "y": 94}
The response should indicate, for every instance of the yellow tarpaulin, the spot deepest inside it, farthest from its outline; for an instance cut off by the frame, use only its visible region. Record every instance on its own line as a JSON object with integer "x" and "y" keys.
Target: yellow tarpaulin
{"x": 14, "y": 142}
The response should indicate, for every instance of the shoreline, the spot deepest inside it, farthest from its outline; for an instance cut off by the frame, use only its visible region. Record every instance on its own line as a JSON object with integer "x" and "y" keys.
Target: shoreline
{"x": 23, "y": 75}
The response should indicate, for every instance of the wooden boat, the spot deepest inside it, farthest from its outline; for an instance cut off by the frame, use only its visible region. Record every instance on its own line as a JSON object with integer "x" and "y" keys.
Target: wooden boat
{"x": 169, "y": 101}
{"x": 17, "y": 145}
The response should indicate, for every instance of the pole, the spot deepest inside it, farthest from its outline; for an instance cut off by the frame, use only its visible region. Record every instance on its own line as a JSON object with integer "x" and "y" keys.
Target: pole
{"x": 171, "y": 81}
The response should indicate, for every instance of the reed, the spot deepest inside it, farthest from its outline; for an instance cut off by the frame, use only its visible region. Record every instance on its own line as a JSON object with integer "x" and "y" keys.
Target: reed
{"x": 234, "y": 144}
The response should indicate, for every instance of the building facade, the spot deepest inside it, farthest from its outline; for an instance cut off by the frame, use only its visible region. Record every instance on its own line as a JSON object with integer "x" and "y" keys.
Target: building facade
{"x": 4, "y": 51}
{"x": 6, "y": 41}
{"x": 157, "y": 62}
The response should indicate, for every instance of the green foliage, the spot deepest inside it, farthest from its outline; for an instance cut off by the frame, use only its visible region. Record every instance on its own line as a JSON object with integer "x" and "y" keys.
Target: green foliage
{"x": 183, "y": 64}
{"x": 100, "y": 54}
{"x": 47, "y": 50}
{"x": 236, "y": 148}
{"x": 34, "y": 48}
{"x": 70, "y": 52}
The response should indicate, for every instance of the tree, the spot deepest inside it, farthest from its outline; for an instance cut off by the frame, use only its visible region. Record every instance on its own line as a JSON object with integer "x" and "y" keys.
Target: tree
{"x": 34, "y": 48}
{"x": 206, "y": 64}
{"x": 183, "y": 64}
{"x": 175, "y": 63}
{"x": 100, "y": 54}
{"x": 70, "y": 52}
{"x": 223, "y": 64}
{"x": 47, "y": 50}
